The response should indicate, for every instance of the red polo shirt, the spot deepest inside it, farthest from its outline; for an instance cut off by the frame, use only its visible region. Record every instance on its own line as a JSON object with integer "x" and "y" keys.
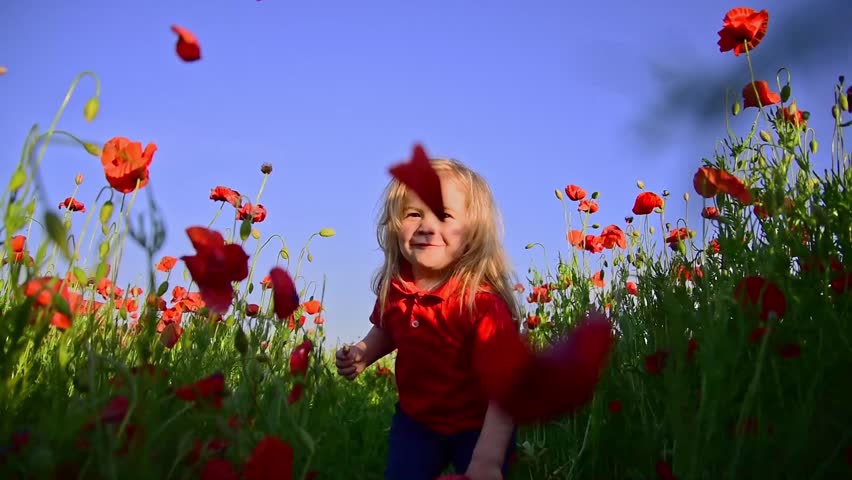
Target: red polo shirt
{"x": 444, "y": 352}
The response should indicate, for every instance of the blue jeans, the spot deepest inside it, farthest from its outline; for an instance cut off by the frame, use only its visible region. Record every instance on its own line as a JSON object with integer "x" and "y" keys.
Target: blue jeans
{"x": 417, "y": 453}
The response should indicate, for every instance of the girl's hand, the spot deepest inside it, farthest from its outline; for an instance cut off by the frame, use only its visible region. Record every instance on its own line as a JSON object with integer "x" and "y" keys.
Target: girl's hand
{"x": 349, "y": 361}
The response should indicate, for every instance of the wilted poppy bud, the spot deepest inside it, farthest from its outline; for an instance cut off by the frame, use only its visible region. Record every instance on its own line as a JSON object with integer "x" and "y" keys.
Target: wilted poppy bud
{"x": 327, "y": 232}
{"x": 266, "y": 168}
{"x": 90, "y": 110}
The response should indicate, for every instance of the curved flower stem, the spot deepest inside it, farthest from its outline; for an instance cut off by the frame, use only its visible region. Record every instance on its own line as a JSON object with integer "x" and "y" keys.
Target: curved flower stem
{"x": 62, "y": 107}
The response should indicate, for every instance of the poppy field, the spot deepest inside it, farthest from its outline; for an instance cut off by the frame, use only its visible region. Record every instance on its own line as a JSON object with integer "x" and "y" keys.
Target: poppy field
{"x": 732, "y": 352}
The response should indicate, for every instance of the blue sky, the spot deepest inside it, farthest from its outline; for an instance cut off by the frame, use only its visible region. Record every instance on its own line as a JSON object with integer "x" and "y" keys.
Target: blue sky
{"x": 533, "y": 95}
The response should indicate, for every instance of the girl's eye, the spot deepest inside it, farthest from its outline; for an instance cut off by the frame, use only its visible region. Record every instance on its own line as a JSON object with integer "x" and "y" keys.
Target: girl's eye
{"x": 412, "y": 214}
{"x": 446, "y": 215}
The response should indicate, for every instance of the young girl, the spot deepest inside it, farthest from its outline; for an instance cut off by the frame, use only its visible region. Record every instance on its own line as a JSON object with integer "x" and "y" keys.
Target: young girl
{"x": 444, "y": 295}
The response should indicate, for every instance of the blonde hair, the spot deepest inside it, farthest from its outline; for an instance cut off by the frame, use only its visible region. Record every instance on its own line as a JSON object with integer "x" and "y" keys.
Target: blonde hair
{"x": 484, "y": 262}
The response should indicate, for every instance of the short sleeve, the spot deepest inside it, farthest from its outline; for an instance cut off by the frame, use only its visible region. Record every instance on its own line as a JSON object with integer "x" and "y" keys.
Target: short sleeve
{"x": 376, "y": 316}
{"x": 499, "y": 352}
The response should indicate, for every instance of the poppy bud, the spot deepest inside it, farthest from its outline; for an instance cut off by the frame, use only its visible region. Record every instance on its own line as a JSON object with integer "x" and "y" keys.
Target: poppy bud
{"x": 686, "y": 197}
{"x": 792, "y": 109}
{"x": 764, "y": 135}
{"x": 666, "y": 193}
{"x": 835, "y": 112}
{"x": 529, "y": 246}
{"x": 806, "y": 115}
{"x": 628, "y": 219}
{"x": 103, "y": 250}
{"x": 596, "y": 225}
{"x": 262, "y": 358}
{"x": 844, "y": 102}
{"x": 310, "y": 258}
{"x": 245, "y": 228}
{"x": 106, "y": 212}
{"x": 814, "y": 146}
{"x": 785, "y": 93}
{"x": 651, "y": 229}
{"x": 162, "y": 289}
{"x": 668, "y": 226}
{"x": 266, "y": 168}
{"x": 90, "y": 110}
{"x": 327, "y": 232}
{"x": 558, "y": 194}
{"x": 640, "y": 184}
{"x": 595, "y": 195}
{"x": 18, "y": 179}
{"x": 240, "y": 341}
{"x": 681, "y": 247}
{"x": 92, "y": 149}
{"x": 285, "y": 253}
{"x": 735, "y": 109}
{"x": 255, "y": 234}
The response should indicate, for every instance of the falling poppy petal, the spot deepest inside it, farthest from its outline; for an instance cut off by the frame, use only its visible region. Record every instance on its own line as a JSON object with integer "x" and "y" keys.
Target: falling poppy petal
{"x": 187, "y": 46}
{"x": 418, "y": 175}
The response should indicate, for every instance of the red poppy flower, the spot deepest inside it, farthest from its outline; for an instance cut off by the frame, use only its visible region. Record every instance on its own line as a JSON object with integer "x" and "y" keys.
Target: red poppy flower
{"x": 708, "y": 181}
{"x": 714, "y": 246}
{"x": 539, "y": 294}
{"x": 710, "y": 213}
{"x": 312, "y": 307}
{"x": 42, "y": 291}
{"x": 284, "y": 294}
{"x": 218, "y": 469}
{"x": 794, "y": 116}
{"x": 215, "y": 266}
{"x": 252, "y": 309}
{"x": 632, "y": 288}
{"x": 257, "y": 212}
{"x": 126, "y": 164}
{"x": 575, "y": 237}
{"x": 593, "y": 244}
{"x": 210, "y": 389}
{"x": 842, "y": 283}
{"x": 532, "y": 322}
{"x": 755, "y": 290}
{"x": 611, "y": 236}
{"x": 72, "y": 204}
{"x": 271, "y": 458}
{"x": 590, "y": 206}
{"x": 166, "y": 264}
{"x": 664, "y": 471}
{"x": 646, "y": 202}
{"x": 295, "y": 393}
{"x": 575, "y": 193}
{"x": 418, "y": 175}
{"x": 614, "y": 406}
{"x": 756, "y": 334}
{"x": 18, "y": 245}
{"x": 763, "y": 97}
{"x": 598, "y": 279}
{"x": 742, "y": 25}
{"x": 655, "y": 362}
{"x": 187, "y": 46}
{"x": 790, "y": 351}
{"x": 300, "y": 358}
{"x": 225, "y": 194}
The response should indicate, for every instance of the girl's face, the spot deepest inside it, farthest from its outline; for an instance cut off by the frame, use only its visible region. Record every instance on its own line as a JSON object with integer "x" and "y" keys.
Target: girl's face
{"x": 429, "y": 245}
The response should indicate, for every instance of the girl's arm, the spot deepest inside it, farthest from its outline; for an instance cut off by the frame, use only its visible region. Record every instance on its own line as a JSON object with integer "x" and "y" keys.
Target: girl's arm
{"x": 375, "y": 345}
{"x": 490, "y": 451}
